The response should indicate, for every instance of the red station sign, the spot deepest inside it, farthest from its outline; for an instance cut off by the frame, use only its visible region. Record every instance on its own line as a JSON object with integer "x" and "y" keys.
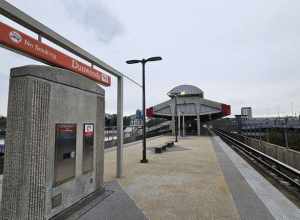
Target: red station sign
{"x": 20, "y": 41}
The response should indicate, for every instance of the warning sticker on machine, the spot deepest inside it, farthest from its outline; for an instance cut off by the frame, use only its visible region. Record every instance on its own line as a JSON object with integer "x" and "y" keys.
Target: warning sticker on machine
{"x": 88, "y": 129}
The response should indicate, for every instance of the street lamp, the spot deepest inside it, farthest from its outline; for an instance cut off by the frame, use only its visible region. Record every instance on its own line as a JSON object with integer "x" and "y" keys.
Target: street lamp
{"x": 143, "y": 62}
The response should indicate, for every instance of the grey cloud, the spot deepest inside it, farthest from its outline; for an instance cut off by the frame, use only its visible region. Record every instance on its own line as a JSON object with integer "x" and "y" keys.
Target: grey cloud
{"x": 94, "y": 16}
{"x": 238, "y": 52}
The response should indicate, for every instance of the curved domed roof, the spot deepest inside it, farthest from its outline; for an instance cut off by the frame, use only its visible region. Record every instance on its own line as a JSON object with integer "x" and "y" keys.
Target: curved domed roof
{"x": 186, "y": 90}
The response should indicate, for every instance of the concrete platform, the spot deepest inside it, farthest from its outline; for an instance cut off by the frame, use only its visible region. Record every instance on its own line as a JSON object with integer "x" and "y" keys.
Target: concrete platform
{"x": 250, "y": 190}
{"x": 186, "y": 183}
{"x": 200, "y": 178}
{"x": 115, "y": 204}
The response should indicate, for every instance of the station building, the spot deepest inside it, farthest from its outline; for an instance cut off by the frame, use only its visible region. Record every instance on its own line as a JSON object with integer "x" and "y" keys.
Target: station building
{"x": 187, "y": 103}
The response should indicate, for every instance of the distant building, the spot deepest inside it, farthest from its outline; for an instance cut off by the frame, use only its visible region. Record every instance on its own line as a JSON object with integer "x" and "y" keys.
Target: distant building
{"x": 137, "y": 119}
{"x": 193, "y": 110}
{"x": 246, "y": 112}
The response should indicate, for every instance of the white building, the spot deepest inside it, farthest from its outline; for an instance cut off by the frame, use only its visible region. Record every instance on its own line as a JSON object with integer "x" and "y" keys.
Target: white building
{"x": 246, "y": 112}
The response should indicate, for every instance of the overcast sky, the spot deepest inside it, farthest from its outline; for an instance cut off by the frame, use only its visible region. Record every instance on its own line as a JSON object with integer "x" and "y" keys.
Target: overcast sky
{"x": 243, "y": 53}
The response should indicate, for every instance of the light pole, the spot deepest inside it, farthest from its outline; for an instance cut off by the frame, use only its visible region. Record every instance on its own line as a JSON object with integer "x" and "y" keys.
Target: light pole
{"x": 143, "y": 62}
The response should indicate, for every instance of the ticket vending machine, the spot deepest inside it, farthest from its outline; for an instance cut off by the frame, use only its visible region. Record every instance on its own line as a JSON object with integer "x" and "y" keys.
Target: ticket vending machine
{"x": 55, "y": 142}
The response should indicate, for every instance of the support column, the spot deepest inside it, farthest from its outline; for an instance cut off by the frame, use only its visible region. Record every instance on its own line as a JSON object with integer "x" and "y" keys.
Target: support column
{"x": 198, "y": 119}
{"x": 286, "y": 141}
{"x": 179, "y": 124}
{"x": 173, "y": 119}
{"x": 183, "y": 125}
{"x": 176, "y": 119}
{"x": 120, "y": 128}
{"x": 198, "y": 125}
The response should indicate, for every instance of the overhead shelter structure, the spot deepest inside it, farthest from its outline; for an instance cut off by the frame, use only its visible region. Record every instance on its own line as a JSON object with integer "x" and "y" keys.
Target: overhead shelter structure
{"x": 16, "y": 15}
{"x": 187, "y": 103}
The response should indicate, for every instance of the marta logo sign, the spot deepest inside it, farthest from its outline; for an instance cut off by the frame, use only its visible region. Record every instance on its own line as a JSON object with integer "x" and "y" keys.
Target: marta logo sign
{"x": 15, "y": 37}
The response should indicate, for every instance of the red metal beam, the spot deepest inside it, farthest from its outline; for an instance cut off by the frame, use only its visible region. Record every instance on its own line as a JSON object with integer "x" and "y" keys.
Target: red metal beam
{"x": 150, "y": 112}
{"x": 21, "y": 42}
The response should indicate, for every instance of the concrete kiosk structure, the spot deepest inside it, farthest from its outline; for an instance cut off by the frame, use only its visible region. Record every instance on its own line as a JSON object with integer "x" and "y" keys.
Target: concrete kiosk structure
{"x": 18, "y": 16}
{"x": 54, "y": 145}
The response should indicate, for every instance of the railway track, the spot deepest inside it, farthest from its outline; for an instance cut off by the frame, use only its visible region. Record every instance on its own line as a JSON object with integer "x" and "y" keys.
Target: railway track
{"x": 281, "y": 170}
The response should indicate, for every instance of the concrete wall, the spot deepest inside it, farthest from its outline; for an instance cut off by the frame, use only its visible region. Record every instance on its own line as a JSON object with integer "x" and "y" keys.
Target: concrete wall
{"x": 39, "y": 98}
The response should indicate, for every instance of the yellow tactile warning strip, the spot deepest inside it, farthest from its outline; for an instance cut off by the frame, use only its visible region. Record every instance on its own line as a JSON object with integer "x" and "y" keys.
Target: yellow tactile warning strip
{"x": 183, "y": 184}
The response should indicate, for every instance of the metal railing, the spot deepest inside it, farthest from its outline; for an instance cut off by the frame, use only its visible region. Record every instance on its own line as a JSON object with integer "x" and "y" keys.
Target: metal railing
{"x": 111, "y": 142}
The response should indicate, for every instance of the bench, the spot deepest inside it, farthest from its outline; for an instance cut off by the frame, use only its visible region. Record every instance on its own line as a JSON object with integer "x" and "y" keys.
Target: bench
{"x": 159, "y": 150}
{"x": 170, "y": 144}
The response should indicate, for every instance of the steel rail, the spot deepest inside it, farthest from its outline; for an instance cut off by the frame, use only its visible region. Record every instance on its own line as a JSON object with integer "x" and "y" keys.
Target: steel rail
{"x": 283, "y": 170}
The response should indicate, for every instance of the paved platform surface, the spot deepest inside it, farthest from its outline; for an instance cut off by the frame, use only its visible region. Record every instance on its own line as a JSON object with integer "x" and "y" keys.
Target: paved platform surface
{"x": 185, "y": 183}
{"x": 250, "y": 190}
{"x": 201, "y": 178}
{"x": 116, "y": 206}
